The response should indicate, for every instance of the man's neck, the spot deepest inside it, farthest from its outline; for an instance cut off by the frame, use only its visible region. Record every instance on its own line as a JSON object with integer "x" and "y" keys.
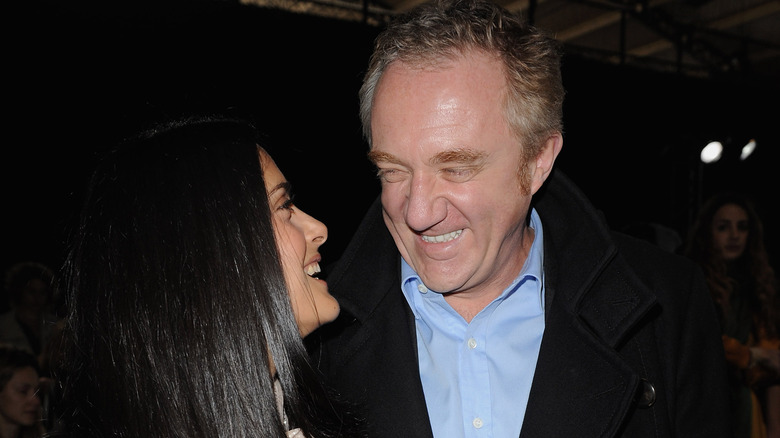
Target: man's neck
{"x": 468, "y": 303}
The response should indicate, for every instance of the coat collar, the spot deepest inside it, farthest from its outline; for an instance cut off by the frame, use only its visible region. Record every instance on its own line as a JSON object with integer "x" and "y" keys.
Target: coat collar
{"x": 584, "y": 270}
{"x": 593, "y": 301}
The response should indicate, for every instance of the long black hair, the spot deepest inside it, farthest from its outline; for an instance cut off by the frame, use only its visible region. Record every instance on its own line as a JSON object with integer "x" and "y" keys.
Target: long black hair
{"x": 177, "y": 300}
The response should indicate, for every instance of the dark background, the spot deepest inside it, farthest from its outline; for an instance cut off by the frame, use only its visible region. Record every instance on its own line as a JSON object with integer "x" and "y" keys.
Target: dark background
{"x": 79, "y": 77}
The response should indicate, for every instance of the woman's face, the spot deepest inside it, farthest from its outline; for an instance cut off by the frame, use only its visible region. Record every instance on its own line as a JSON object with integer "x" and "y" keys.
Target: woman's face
{"x": 299, "y": 237}
{"x": 730, "y": 229}
{"x": 19, "y": 402}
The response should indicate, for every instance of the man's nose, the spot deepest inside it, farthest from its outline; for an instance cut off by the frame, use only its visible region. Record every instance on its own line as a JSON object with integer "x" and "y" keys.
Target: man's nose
{"x": 426, "y": 206}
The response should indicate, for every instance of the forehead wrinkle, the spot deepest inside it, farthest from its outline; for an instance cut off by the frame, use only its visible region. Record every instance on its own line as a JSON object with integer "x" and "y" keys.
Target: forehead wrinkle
{"x": 461, "y": 155}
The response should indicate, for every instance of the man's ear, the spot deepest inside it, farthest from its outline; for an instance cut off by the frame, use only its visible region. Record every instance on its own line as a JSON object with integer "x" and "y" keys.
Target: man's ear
{"x": 545, "y": 160}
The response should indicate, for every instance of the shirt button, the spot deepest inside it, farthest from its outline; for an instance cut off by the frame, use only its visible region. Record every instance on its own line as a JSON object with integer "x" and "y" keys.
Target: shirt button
{"x": 477, "y": 423}
{"x": 472, "y": 343}
{"x": 421, "y": 287}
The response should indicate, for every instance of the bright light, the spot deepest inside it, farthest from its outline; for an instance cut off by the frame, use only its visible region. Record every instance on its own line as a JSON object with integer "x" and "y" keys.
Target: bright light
{"x": 748, "y": 149}
{"x": 712, "y": 152}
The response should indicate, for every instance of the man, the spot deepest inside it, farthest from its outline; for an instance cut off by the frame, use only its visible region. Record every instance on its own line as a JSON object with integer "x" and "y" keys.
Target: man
{"x": 484, "y": 296}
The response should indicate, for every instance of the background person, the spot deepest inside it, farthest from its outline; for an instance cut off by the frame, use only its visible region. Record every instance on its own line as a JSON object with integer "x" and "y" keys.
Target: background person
{"x": 483, "y": 295}
{"x": 188, "y": 271}
{"x": 30, "y": 321}
{"x": 727, "y": 241}
{"x": 20, "y": 404}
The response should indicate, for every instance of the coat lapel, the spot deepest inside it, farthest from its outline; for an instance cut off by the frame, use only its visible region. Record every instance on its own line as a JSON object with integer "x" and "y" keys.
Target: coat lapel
{"x": 582, "y": 386}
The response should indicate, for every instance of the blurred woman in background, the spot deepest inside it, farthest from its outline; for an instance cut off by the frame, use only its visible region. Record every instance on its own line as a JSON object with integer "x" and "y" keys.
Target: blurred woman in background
{"x": 727, "y": 241}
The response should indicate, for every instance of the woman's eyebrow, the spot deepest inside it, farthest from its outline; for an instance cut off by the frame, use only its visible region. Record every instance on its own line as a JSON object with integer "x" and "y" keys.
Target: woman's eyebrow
{"x": 286, "y": 186}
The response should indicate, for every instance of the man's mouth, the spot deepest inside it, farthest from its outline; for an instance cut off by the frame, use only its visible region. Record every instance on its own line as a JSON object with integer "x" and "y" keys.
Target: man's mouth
{"x": 441, "y": 238}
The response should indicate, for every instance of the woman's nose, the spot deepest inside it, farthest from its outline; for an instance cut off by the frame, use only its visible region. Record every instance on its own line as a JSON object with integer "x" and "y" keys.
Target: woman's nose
{"x": 315, "y": 231}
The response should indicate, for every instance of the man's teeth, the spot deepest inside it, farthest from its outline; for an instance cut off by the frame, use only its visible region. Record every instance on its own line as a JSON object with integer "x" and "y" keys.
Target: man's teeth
{"x": 313, "y": 269}
{"x": 442, "y": 237}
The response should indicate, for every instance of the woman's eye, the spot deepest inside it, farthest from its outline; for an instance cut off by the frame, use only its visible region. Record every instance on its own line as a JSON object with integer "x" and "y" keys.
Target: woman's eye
{"x": 288, "y": 204}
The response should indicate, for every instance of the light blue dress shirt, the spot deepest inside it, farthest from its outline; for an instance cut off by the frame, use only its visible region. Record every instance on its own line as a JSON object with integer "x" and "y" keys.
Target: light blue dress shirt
{"x": 477, "y": 376}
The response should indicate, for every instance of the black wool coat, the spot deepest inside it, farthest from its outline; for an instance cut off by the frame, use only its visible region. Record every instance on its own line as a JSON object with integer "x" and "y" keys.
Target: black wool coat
{"x": 631, "y": 346}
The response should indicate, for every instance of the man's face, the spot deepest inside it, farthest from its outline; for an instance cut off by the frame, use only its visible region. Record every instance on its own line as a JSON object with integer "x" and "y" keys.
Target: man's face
{"x": 449, "y": 166}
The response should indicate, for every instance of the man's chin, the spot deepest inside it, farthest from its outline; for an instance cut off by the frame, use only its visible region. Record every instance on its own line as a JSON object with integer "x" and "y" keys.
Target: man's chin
{"x": 441, "y": 284}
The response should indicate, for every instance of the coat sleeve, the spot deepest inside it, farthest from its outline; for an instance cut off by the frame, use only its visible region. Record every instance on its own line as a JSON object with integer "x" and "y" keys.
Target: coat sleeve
{"x": 701, "y": 408}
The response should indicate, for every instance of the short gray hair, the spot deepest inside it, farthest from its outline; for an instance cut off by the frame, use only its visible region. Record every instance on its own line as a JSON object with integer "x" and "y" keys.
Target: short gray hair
{"x": 442, "y": 30}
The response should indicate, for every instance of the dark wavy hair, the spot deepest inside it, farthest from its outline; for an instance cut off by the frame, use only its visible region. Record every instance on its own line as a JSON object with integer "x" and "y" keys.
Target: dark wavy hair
{"x": 754, "y": 263}
{"x": 177, "y": 300}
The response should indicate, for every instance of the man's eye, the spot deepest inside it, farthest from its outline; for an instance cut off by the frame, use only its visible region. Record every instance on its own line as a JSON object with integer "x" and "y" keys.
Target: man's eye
{"x": 459, "y": 174}
{"x": 390, "y": 175}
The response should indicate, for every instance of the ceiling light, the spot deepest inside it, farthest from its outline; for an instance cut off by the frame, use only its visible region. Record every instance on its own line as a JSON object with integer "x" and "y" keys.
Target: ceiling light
{"x": 712, "y": 152}
{"x": 748, "y": 149}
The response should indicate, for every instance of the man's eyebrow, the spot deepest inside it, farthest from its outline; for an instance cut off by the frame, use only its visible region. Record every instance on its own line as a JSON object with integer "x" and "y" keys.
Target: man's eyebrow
{"x": 383, "y": 157}
{"x": 462, "y": 156}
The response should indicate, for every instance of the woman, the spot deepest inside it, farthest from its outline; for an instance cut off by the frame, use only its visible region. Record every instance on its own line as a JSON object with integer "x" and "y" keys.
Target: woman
{"x": 20, "y": 406}
{"x": 180, "y": 322}
{"x": 727, "y": 241}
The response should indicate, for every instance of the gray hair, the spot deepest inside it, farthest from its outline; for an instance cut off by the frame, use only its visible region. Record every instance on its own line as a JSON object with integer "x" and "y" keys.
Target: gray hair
{"x": 442, "y": 30}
